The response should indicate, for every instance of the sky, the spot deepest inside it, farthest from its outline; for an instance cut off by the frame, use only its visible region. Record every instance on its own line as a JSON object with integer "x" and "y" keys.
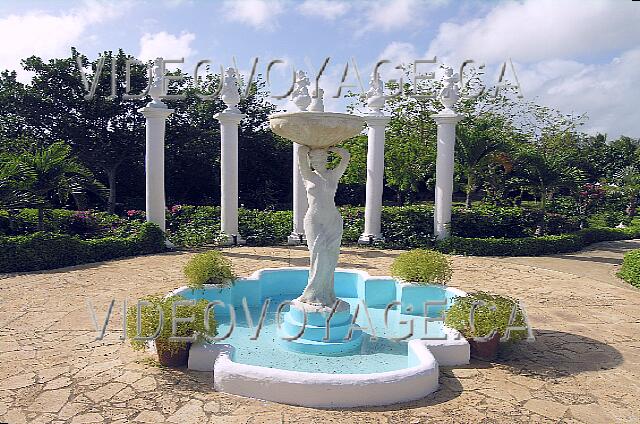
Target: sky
{"x": 579, "y": 56}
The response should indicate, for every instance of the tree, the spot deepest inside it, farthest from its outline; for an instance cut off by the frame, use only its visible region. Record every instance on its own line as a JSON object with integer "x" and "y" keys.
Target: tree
{"x": 547, "y": 171}
{"x": 103, "y": 132}
{"x": 54, "y": 176}
{"x": 627, "y": 183}
{"x": 478, "y": 143}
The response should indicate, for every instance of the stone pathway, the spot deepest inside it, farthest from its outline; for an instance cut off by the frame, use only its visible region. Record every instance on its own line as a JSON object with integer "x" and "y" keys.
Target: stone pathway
{"x": 584, "y": 366}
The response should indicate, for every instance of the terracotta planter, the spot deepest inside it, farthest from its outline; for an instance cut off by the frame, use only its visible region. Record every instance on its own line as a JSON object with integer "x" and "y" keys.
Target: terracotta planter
{"x": 174, "y": 359}
{"x": 485, "y": 348}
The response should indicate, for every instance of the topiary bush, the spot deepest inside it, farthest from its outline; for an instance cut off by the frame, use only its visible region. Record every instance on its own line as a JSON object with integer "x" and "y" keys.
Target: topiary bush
{"x": 422, "y": 267}
{"x": 43, "y": 250}
{"x": 208, "y": 268}
{"x": 485, "y": 318}
{"x": 630, "y": 270}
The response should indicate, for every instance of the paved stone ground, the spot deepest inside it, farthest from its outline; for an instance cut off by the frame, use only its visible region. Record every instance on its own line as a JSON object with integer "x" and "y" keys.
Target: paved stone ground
{"x": 583, "y": 368}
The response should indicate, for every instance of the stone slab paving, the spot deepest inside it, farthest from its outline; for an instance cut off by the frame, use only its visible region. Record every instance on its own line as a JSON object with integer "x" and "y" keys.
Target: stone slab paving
{"x": 584, "y": 366}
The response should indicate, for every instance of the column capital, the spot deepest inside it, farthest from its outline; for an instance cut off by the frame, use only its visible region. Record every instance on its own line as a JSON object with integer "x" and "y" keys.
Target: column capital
{"x": 376, "y": 120}
{"x": 155, "y": 112}
{"x": 446, "y": 117}
{"x": 229, "y": 117}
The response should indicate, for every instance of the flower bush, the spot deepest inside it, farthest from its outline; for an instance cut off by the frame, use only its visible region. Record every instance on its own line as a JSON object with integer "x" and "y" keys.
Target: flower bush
{"x": 422, "y": 267}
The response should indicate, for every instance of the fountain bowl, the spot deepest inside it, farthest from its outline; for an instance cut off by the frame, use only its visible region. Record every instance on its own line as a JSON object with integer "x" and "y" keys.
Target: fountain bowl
{"x": 316, "y": 130}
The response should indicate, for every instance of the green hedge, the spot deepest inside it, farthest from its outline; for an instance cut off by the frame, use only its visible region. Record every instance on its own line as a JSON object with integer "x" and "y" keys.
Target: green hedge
{"x": 402, "y": 227}
{"x": 535, "y": 246}
{"x": 630, "y": 271}
{"x": 43, "y": 250}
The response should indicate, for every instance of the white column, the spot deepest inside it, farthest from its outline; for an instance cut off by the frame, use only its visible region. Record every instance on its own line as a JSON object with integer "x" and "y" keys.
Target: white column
{"x": 154, "y": 163}
{"x": 301, "y": 99}
{"x": 229, "y": 120}
{"x": 300, "y": 203}
{"x": 375, "y": 179}
{"x": 446, "y": 121}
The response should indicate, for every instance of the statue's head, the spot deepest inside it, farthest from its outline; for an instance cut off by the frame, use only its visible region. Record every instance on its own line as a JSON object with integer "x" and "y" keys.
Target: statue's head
{"x": 318, "y": 159}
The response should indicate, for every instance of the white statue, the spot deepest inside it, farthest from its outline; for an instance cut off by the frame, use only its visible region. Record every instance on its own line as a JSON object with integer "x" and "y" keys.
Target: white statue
{"x": 450, "y": 92}
{"x": 157, "y": 83}
{"x": 300, "y": 94}
{"x": 375, "y": 94}
{"x": 317, "y": 103}
{"x": 229, "y": 91}
{"x": 322, "y": 222}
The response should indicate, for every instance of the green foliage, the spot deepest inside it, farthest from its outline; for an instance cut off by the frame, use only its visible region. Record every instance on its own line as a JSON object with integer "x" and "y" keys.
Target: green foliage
{"x": 150, "y": 321}
{"x": 43, "y": 250}
{"x": 422, "y": 267}
{"x": 628, "y": 185}
{"x": 608, "y": 218}
{"x": 208, "y": 268}
{"x": 485, "y": 318}
{"x": 264, "y": 228}
{"x": 630, "y": 271}
{"x": 84, "y": 223}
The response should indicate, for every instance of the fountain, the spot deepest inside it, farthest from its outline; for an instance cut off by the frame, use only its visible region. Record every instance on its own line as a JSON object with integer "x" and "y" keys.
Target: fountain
{"x": 347, "y": 339}
{"x": 318, "y": 307}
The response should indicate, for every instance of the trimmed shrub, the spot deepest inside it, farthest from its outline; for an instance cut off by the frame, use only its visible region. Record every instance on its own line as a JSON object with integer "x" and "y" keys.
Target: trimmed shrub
{"x": 535, "y": 246}
{"x": 422, "y": 267}
{"x": 491, "y": 221}
{"x": 528, "y": 246}
{"x": 485, "y": 318}
{"x": 208, "y": 268}
{"x": 42, "y": 250}
{"x": 630, "y": 271}
{"x": 407, "y": 226}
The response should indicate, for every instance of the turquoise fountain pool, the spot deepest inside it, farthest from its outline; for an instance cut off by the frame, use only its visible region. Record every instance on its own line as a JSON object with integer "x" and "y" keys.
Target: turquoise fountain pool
{"x": 384, "y": 345}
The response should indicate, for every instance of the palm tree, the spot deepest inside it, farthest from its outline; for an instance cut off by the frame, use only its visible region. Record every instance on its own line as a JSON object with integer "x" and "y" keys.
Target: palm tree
{"x": 628, "y": 185}
{"x": 547, "y": 171}
{"x": 55, "y": 175}
{"x": 15, "y": 179}
{"x": 478, "y": 145}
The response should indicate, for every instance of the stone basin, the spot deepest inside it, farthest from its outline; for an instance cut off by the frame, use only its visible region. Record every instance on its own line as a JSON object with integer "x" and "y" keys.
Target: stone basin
{"x": 317, "y": 130}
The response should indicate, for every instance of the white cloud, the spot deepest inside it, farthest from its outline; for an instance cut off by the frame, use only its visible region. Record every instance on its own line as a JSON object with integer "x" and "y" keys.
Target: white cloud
{"x": 324, "y": 8}
{"x": 259, "y": 14}
{"x": 608, "y": 92}
{"x": 50, "y": 35}
{"x": 536, "y": 30}
{"x": 165, "y": 45}
{"x": 399, "y": 53}
{"x": 557, "y": 49}
{"x": 391, "y": 14}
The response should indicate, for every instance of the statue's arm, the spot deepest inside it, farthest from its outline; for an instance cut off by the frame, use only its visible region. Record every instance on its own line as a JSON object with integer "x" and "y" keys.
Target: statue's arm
{"x": 303, "y": 162}
{"x": 344, "y": 161}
